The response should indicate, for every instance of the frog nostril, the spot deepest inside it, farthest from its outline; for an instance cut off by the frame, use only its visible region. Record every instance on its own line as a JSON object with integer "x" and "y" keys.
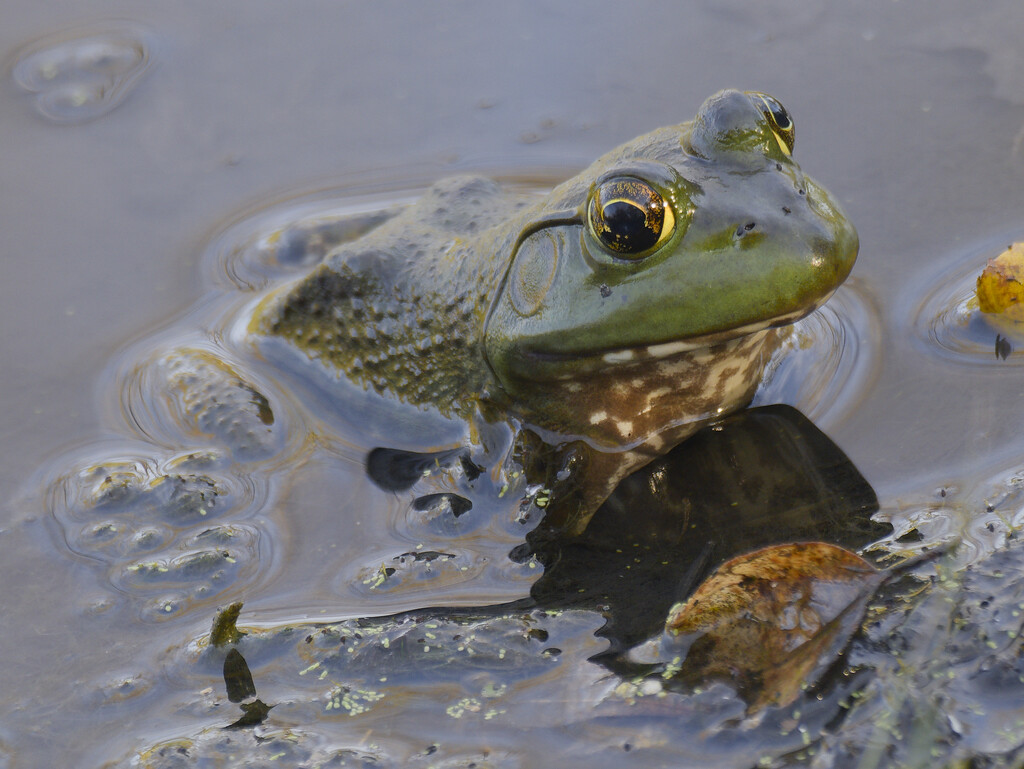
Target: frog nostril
{"x": 743, "y": 229}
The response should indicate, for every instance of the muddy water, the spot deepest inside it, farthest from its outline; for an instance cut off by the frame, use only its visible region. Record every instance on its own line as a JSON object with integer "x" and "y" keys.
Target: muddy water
{"x": 141, "y": 144}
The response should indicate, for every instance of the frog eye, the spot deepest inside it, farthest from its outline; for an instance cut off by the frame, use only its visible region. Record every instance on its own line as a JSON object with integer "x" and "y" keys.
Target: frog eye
{"x": 629, "y": 217}
{"x": 778, "y": 119}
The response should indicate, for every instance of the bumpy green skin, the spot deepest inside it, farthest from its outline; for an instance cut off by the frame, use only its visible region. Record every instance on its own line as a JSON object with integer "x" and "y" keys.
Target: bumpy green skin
{"x": 476, "y": 294}
{"x": 402, "y": 309}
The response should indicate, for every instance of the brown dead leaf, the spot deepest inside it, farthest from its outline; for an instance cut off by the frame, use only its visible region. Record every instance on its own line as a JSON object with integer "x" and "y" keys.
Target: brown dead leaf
{"x": 767, "y": 620}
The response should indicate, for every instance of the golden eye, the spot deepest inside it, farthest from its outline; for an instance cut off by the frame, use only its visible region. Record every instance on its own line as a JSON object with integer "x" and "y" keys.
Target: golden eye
{"x": 629, "y": 217}
{"x": 779, "y": 120}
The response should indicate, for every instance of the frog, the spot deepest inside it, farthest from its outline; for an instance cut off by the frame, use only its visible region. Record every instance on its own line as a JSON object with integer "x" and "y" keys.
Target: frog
{"x": 619, "y": 312}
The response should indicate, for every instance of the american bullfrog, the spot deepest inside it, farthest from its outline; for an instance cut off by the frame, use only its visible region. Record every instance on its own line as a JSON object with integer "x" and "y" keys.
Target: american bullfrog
{"x": 624, "y": 309}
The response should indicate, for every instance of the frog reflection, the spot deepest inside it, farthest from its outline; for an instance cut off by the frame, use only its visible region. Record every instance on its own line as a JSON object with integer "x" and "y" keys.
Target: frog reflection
{"x": 763, "y": 477}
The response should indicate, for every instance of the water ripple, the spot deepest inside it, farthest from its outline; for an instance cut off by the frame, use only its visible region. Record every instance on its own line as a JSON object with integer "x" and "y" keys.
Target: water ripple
{"x": 830, "y": 361}
{"x": 947, "y": 320}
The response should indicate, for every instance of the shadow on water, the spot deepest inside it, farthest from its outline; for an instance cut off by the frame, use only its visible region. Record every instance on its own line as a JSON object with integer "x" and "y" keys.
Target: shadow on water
{"x": 763, "y": 477}
{"x": 396, "y": 470}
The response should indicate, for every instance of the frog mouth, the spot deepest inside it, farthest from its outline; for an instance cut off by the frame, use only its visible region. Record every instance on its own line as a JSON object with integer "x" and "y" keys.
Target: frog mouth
{"x": 588, "y": 362}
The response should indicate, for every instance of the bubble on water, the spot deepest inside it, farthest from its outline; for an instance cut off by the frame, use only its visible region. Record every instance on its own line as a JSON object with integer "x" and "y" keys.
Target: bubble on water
{"x": 121, "y": 689}
{"x": 417, "y": 570}
{"x": 291, "y": 746}
{"x": 197, "y": 567}
{"x": 192, "y": 570}
{"x": 164, "y": 607}
{"x": 130, "y": 494}
{"x": 166, "y": 528}
{"x": 78, "y": 76}
{"x": 149, "y": 538}
{"x": 103, "y": 533}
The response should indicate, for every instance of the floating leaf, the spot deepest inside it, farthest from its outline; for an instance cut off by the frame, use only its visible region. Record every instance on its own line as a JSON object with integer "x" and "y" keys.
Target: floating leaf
{"x": 1001, "y": 285}
{"x": 768, "y": 620}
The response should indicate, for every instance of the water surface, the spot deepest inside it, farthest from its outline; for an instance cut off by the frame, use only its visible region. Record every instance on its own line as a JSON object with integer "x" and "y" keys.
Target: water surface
{"x": 143, "y": 144}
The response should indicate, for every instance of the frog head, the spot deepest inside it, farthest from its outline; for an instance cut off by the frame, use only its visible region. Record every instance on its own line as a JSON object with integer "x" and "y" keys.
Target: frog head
{"x": 675, "y": 243}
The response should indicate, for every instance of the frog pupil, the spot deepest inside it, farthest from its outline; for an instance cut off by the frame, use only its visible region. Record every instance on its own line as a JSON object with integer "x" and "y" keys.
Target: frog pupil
{"x": 629, "y": 216}
{"x": 781, "y": 117}
{"x": 627, "y": 227}
{"x": 777, "y": 115}
{"x": 776, "y": 112}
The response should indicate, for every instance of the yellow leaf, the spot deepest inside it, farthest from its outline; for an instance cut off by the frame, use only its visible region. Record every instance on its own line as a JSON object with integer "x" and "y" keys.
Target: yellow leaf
{"x": 1000, "y": 287}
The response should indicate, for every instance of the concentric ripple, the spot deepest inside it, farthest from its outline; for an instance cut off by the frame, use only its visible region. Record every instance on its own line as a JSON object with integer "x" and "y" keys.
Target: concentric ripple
{"x": 79, "y": 76}
{"x": 948, "y": 322}
{"x": 830, "y": 359}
